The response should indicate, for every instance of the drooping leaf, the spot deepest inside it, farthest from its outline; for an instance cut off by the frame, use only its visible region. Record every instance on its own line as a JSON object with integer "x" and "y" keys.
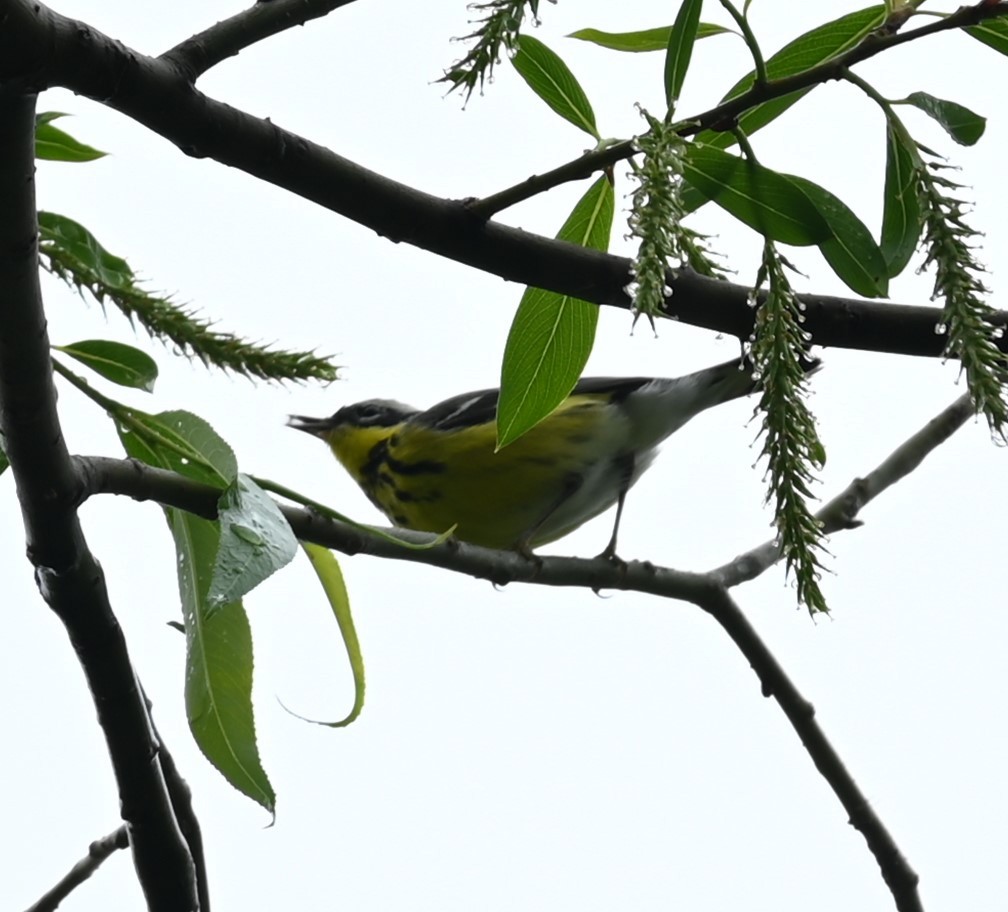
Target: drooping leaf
{"x": 959, "y": 122}
{"x": 218, "y": 676}
{"x": 255, "y": 541}
{"x": 902, "y": 220}
{"x": 331, "y": 577}
{"x": 122, "y": 364}
{"x": 764, "y": 200}
{"x": 680, "y": 48}
{"x": 551, "y": 79}
{"x": 552, "y": 335}
{"x": 219, "y": 665}
{"x": 656, "y": 39}
{"x": 851, "y": 251}
{"x": 54, "y": 144}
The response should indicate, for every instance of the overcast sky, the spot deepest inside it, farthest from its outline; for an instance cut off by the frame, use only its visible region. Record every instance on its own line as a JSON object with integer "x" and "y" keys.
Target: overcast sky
{"x": 525, "y": 748}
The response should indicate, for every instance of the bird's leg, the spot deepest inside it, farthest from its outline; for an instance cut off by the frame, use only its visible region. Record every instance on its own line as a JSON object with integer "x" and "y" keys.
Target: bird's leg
{"x": 524, "y": 544}
{"x": 625, "y": 464}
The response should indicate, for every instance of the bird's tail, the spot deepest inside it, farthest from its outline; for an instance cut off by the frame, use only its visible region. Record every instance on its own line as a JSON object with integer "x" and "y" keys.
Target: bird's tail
{"x": 662, "y": 406}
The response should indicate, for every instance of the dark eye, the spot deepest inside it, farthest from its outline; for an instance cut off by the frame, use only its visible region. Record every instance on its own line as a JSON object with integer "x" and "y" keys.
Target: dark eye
{"x": 368, "y": 412}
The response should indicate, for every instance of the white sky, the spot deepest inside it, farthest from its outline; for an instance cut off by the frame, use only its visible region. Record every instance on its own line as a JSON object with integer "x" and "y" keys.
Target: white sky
{"x": 525, "y": 748}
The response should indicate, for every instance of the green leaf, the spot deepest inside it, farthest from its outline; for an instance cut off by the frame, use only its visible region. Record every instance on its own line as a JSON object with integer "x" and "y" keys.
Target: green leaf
{"x": 764, "y": 200}
{"x": 3, "y": 458}
{"x": 552, "y": 334}
{"x": 902, "y": 219}
{"x": 182, "y": 442}
{"x": 83, "y": 246}
{"x": 993, "y": 33}
{"x": 851, "y": 251}
{"x": 550, "y": 78}
{"x": 53, "y": 144}
{"x": 331, "y": 577}
{"x": 656, "y": 39}
{"x": 122, "y": 364}
{"x": 806, "y": 51}
{"x": 959, "y": 122}
{"x": 255, "y": 542}
{"x": 680, "y": 49}
{"x": 218, "y": 674}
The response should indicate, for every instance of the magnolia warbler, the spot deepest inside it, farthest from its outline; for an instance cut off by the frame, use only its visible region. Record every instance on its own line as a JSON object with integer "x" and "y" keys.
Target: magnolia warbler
{"x": 436, "y": 469}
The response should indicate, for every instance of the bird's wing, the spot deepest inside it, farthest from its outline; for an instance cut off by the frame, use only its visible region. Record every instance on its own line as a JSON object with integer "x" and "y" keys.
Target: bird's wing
{"x": 480, "y": 406}
{"x": 465, "y": 410}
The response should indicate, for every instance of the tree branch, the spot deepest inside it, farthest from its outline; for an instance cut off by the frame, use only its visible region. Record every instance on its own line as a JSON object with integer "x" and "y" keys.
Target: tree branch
{"x": 194, "y": 56}
{"x": 39, "y": 47}
{"x": 180, "y": 796}
{"x": 842, "y": 511}
{"x": 724, "y": 115}
{"x": 896, "y": 871}
{"x": 67, "y": 574}
{"x": 98, "y": 851}
{"x": 143, "y": 482}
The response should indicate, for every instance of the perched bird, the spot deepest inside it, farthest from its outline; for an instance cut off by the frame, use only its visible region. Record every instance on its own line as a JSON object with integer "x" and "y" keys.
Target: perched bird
{"x": 436, "y": 469}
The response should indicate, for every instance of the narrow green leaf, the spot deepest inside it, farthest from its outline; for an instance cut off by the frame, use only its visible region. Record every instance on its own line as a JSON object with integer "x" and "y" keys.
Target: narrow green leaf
{"x": 3, "y": 457}
{"x": 851, "y": 251}
{"x": 255, "y": 542}
{"x": 552, "y": 334}
{"x": 656, "y": 39}
{"x": 218, "y": 675}
{"x": 764, "y": 200}
{"x": 331, "y": 577}
{"x": 551, "y": 79}
{"x": 902, "y": 219}
{"x": 680, "y": 49}
{"x": 993, "y": 33}
{"x": 82, "y": 244}
{"x": 959, "y": 122}
{"x": 806, "y": 51}
{"x": 54, "y": 144}
{"x": 122, "y": 364}
{"x": 219, "y": 664}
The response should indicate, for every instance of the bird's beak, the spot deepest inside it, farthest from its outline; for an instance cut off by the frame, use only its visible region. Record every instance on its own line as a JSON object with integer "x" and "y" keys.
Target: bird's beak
{"x": 314, "y": 426}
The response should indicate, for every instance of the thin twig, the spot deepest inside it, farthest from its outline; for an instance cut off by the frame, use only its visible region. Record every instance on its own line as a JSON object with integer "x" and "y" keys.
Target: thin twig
{"x": 194, "y": 56}
{"x": 727, "y": 112}
{"x": 742, "y": 21}
{"x": 896, "y": 871}
{"x": 842, "y": 511}
{"x": 98, "y": 851}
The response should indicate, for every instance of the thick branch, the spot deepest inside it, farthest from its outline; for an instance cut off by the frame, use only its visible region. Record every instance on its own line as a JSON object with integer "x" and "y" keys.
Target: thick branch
{"x": 98, "y": 851}
{"x": 40, "y": 47}
{"x": 842, "y": 511}
{"x": 67, "y": 574}
{"x": 227, "y": 38}
{"x": 897, "y": 873}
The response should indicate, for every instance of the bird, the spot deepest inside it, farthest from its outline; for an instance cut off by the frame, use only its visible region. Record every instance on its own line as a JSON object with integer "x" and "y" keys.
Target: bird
{"x": 439, "y": 469}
